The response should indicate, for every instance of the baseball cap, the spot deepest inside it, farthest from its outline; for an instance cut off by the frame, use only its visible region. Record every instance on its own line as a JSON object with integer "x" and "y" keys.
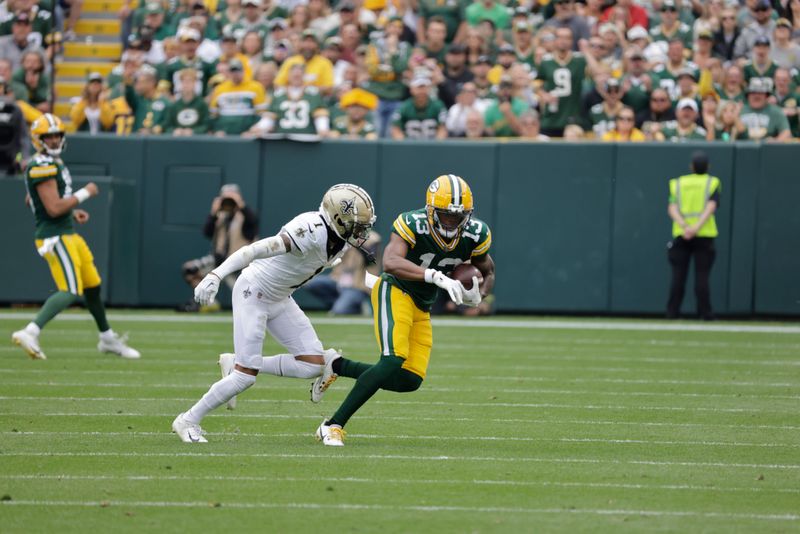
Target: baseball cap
{"x": 310, "y": 34}
{"x": 763, "y": 4}
{"x": 634, "y": 52}
{"x": 783, "y": 23}
{"x": 484, "y": 59}
{"x": 153, "y": 8}
{"x": 94, "y": 77}
{"x": 612, "y": 83}
{"x": 358, "y": 97}
{"x": 419, "y": 81}
{"x": 334, "y": 40}
{"x": 147, "y": 70}
{"x": 637, "y": 32}
{"x": 705, "y": 34}
{"x": 687, "y": 103}
{"x": 229, "y": 190}
{"x": 188, "y": 34}
{"x": 687, "y": 72}
{"x": 761, "y": 40}
{"x": 278, "y": 23}
{"x": 456, "y": 48}
{"x": 521, "y": 11}
{"x": 668, "y": 5}
{"x": 347, "y": 5}
{"x": 228, "y": 36}
{"x": 506, "y": 80}
{"x": 235, "y": 64}
{"x": 758, "y": 85}
{"x": 522, "y": 26}
{"x": 374, "y": 5}
{"x": 22, "y": 17}
{"x": 505, "y": 48}
{"x": 254, "y": 3}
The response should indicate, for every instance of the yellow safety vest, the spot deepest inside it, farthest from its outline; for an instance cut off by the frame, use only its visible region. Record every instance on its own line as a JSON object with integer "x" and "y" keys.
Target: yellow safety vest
{"x": 691, "y": 194}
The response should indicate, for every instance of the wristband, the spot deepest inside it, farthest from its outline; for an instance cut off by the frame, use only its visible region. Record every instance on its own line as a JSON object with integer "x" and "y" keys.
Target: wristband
{"x": 429, "y": 274}
{"x": 81, "y": 195}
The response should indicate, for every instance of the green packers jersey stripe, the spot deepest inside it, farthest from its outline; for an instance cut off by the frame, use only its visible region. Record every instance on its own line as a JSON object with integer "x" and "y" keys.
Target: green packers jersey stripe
{"x": 383, "y": 318}
{"x": 67, "y": 266}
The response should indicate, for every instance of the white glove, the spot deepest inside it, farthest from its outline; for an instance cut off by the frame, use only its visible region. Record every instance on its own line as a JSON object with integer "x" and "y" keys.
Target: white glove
{"x": 453, "y": 287}
{"x": 472, "y": 297}
{"x": 207, "y": 289}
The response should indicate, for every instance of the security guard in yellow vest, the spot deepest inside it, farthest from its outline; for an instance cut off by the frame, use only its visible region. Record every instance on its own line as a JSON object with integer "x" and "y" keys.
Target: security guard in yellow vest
{"x": 693, "y": 199}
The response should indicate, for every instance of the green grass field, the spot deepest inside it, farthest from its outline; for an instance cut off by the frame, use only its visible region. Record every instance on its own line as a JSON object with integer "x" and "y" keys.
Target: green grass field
{"x": 518, "y": 428}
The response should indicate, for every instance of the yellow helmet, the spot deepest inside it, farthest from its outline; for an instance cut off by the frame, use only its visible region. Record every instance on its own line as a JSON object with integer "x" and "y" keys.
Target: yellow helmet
{"x": 48, "y": 124}
{"x": 449, "y": 205}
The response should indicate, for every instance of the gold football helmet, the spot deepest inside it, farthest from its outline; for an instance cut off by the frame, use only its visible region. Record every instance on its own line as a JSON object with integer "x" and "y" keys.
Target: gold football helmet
{"x": 349, "y": 211}
{"x": 448, "y": 203}
{"x": 47, "y": 125}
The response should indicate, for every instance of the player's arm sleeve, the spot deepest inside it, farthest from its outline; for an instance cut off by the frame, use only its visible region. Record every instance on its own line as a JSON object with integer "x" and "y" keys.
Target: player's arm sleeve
{"x": 402, "y": 228}
{"x": 484, "y": 244}
{"x": 265, "y": 248}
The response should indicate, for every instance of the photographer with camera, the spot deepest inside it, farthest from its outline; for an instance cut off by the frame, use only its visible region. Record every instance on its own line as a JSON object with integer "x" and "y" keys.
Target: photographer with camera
{"x": 230, "y": 226}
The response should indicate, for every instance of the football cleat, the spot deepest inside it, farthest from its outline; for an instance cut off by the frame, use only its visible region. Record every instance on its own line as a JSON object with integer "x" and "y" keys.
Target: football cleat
{"x": 227, "y": 362}
{"x": 117, "y": 344}
{"x": 332, "y": 436}
{"x": 188, "y": 432}
{"x": 328, "y": 377}
{"x": 29, "y": 344}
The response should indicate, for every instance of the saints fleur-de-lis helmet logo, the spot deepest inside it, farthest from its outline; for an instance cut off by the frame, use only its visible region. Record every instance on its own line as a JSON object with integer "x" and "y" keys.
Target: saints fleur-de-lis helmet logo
{"x": 348, "y": 206}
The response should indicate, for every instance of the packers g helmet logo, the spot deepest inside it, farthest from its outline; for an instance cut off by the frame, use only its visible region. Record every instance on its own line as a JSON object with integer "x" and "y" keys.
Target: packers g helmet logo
{"x": 434, "y": 187}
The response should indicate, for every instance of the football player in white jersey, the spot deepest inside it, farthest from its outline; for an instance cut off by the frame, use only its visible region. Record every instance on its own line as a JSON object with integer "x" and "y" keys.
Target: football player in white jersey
{"x": 272, "y": 269}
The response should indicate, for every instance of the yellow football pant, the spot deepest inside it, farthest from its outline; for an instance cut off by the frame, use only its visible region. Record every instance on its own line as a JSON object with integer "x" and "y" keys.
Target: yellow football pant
{"x": 401, "y": 328}
{"x": 72, "y": 264}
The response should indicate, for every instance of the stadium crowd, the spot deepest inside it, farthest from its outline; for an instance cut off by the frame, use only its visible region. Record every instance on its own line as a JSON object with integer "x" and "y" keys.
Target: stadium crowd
{"x": 664, "y": 70}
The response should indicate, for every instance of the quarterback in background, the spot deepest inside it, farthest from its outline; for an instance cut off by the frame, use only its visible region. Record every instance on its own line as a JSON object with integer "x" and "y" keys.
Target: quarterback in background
{"x": 50, "y": 196}
{"x": 425, "y": 245}
{"x": 272, "y": 269}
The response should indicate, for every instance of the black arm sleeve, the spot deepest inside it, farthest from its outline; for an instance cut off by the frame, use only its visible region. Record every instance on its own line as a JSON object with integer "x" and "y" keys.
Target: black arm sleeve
{"x": 208, "y": 228}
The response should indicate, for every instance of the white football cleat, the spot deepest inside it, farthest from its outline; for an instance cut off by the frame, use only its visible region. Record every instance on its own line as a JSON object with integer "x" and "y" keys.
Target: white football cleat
{"x": 332, "y": 436}
{"x": 227, "y": 362}
{"x": 117, "y": 344}
{"x": 188, "y": 432}
{"x": 328, "y": 377}
{"x": 29, "y": 344}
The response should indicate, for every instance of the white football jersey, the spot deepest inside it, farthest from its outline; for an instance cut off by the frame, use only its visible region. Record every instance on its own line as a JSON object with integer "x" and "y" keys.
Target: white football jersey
{"x": 279, "y": 276}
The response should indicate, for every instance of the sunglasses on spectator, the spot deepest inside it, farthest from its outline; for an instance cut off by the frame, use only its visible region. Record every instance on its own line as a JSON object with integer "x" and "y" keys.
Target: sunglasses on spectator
{"x": 761, "y": 8}
{"x": 670, "y": 9}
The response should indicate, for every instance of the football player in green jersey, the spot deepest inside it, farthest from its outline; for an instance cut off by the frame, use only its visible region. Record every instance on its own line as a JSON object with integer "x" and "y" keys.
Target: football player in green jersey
{"x": 53, "y": 202}
{"x": 421, "y": 116}
{"x": 425, "y": 245}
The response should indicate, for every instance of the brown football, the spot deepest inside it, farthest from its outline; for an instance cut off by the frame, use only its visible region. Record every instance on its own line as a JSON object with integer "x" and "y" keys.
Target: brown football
{"x": 464, "y": 273}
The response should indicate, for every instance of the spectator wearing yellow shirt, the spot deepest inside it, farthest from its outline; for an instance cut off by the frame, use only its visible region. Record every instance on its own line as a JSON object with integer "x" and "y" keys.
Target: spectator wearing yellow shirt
{"x": 92, "y": 113}
{"x": 236, "y": 104}
{"x": 318, "y": 69}
{"x": 624, "y": 129}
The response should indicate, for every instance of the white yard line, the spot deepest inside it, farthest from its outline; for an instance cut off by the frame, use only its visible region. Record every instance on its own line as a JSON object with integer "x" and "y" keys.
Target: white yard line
{"x": 738, "y": 426}
{"x": 473, "y": 404}
{"x": 362, "y": 457}
{"x": 409, "y": 481}
{"x": 429, "y": 438}
{"x": 457, "y": 323}
{"x": 431, "y": 508}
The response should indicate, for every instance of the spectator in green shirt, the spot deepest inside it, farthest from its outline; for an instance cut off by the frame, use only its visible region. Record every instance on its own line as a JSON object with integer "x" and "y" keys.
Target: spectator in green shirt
{"x": 450, "y": 11}
{"x": 763, "y": 120}
{"x": 188, "y": 115}
{"x": 685, "y": 127}
{"x": 502, "y": 117}
{"x": 489, "y": 10}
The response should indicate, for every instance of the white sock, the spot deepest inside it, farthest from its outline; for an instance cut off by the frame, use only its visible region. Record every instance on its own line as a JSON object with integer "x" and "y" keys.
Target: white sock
{"x": 33, "y": 329}
{"x": 287, "y": 365}
{"x": 108, "y": 335}
{"x": 219, "y": 393}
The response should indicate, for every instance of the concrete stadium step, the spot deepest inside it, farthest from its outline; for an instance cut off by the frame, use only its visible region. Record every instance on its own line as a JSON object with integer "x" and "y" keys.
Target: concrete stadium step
{"x": 69, "y": 89}
{"x": 95, "y": 27}
{"x": 110, "y": 51}
{"x": 102, "y": 6}
{"x": 81, "y": 69}
{"x": 62, "y": 109}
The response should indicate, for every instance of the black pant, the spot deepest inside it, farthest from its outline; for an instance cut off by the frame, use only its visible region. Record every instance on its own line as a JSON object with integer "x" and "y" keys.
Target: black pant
{"x": 680, "y": 252}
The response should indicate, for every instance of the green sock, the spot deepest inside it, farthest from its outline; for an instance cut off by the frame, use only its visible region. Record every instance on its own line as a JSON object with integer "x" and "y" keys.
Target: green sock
{"x": 95, "y": 305}
{"x": 367, "y": 384}
{"x": 350, "y": 368}
{"x": 55, "y": 304}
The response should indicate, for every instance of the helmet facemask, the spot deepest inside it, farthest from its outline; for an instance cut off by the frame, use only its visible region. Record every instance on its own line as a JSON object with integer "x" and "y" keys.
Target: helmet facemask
{"x": 450, "y": 221}
{"x": 59, "y": 147}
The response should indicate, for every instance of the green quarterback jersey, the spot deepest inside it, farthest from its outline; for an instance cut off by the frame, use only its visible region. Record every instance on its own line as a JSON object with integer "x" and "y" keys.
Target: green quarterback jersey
{"x": 204, "y": 72}
{"x": 420, "y": 123}
{"x": 192, "y": 114}
{"x": 296, "y": 115}
{"x": 563, "y": 80}
{"x": 792, "y": 101}
{"x": 671, "y": 133}
{"x": 40, "y": 169}
{"x": 768, "y": 121}
{"x": 427, "y": 249}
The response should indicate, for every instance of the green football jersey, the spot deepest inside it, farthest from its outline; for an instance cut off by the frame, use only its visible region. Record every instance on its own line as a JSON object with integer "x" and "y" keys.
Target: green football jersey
{"x": 296, "y": 115}
{"x": 682, "y": 31}
{"x": 637, "y": 97}
{"x": 768, "y": 121}
{"x": 602, "y": 120}
{"x": 452, "y": 11}
{"x": 172, "y": 68}
{"x": 347, "y": 129}
{"x": 192, "y": 114}
{"x": 668, "y": 79}
{"x": 425, "y": 250}
{"x": 697, "y": 133}
{"x": 147, "y": 112}
{"x": 420, "y": 123}
{"x": 750, "y": 71}
{"x": 791, "y": 101}
{"x": 563, "y": 80}
{"x": 40, "y": 169}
